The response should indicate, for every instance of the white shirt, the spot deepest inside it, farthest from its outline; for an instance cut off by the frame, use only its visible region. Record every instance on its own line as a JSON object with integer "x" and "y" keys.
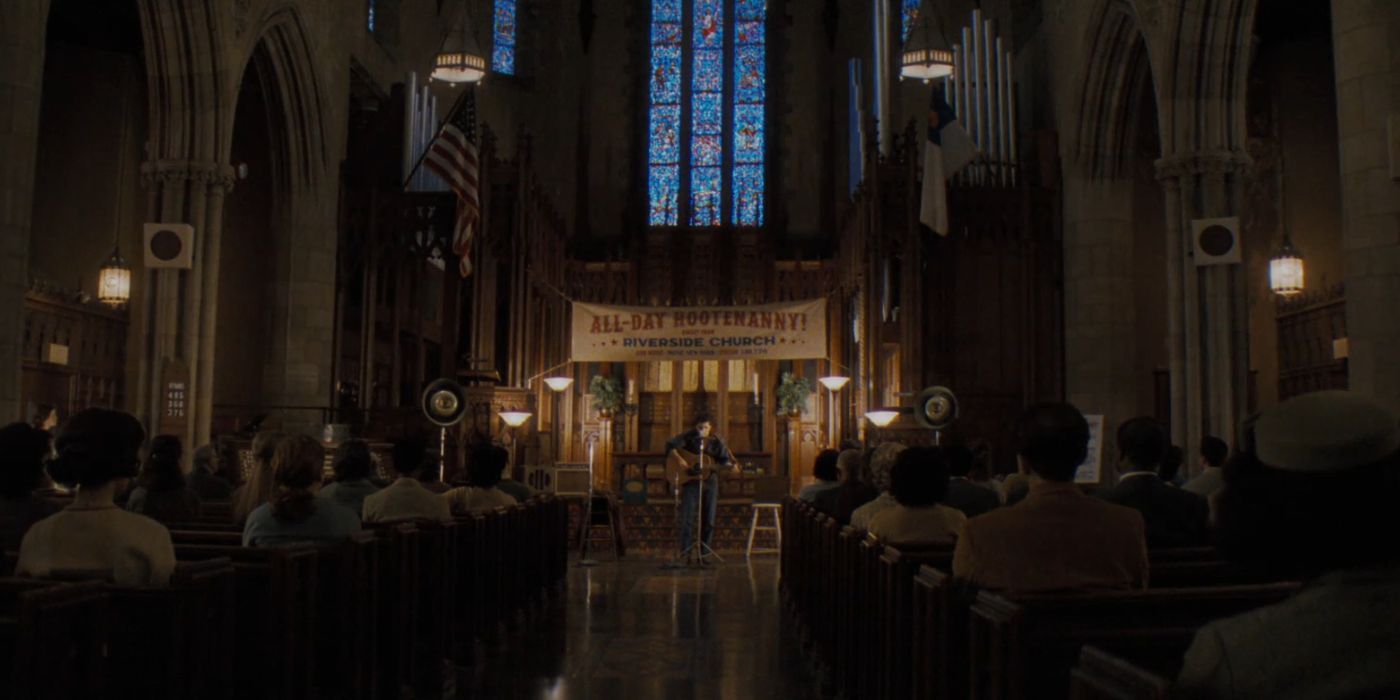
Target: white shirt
{"x": 861, "y": 517}
{"x": 136, "y": 549}
{"x": 470, "y": 499}
{"x": 1207, "y": 482}
{"x": 405, "y": 499}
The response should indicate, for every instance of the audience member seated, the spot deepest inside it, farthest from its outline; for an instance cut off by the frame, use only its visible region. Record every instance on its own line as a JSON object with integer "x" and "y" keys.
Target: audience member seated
{"x": 1170, "y": 469}
{"x": 161, "y": 492}
{"x": 1174, "y": 518}
{"x": 1315, "y": 500}
{"x": 1210, "y": 480}
{"x": 406, "y": 498}
{"x": 854, "y": 491}
{"x": 519, "y": 491}
{"x": 204, "y": 477}
{"x": 45, "y": 418}
{"x": 293, "y": 514}
{"x": 22, "y": 452}
{"x": 230, "y": 465}
{"x": 1057, "y": 539}
{"x": 919, "y": 481}
{"x": 258, "y": 488}
{"x": 98, "y": 450}
{"x": 826, "y": 475}
{"x": 963, "y": 494}
{"x": 352, "y": 465}
{"x": 484, "y": 467}
{"x": 881, "y": 462}
{"x": 1015, "y": 487}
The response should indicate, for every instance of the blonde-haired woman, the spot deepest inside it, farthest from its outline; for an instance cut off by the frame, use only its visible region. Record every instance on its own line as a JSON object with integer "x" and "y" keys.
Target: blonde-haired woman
{"x": 881, "y": 464}
{"x": 254, "y": 491}
{"x": 293, "y": 514}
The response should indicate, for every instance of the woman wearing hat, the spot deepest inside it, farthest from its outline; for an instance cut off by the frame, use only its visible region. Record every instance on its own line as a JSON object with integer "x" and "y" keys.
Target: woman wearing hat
{"x": 1313, "y": 500}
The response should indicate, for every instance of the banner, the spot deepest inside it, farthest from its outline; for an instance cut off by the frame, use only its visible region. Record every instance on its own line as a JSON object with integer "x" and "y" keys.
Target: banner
{"x": 787, "y": 331}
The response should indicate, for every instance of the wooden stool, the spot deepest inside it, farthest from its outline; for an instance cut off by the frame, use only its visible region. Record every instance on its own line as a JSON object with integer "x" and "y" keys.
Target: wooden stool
{"x": 599, "y": 515}
{"x": 774, "y": 508}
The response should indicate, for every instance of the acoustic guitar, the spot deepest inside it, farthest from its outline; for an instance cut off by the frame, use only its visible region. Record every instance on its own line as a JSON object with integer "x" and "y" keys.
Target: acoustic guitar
{"x": 680, "y": 467}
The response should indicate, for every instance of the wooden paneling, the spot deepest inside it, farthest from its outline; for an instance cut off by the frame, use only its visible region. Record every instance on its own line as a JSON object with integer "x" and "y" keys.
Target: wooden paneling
{"x": 95, "y": 340}
{"x": 1307, "y": 327}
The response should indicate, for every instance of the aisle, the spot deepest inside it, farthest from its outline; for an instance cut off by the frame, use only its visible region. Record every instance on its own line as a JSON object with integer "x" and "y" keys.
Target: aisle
{"x": 634, "y": 630}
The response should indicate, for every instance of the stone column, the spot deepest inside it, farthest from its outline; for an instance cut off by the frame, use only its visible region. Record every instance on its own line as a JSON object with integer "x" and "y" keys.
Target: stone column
{"x": 1207, "y": 324}
{"x": 1366, "y": 39}
{"x": 22, "y": 25}
{"x": 1100, "y": 317}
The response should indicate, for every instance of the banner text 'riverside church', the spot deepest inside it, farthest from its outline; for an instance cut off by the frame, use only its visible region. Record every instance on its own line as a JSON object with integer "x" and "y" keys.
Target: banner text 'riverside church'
{"x": 787, "y": 331}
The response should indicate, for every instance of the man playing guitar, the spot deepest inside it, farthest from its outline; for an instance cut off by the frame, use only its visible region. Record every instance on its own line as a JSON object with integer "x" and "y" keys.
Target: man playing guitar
{"x": 684, "y": 455}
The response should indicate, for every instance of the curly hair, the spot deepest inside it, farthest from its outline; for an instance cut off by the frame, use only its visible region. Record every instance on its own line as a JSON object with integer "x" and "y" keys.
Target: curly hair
{"x": 296, "y": 466}
{"x": 882, "y": 463}
{"x": 96, "y": 446}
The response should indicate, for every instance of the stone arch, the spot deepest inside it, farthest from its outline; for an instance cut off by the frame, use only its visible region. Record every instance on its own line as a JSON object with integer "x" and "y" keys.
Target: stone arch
{"x": 1117, "y": 71}
{"x": 281, "y": 55}
{"x": 1204, "y": 78}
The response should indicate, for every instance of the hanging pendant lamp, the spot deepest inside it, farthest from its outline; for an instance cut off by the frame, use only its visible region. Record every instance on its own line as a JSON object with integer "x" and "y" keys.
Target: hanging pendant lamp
{"x": 927, "y": 54}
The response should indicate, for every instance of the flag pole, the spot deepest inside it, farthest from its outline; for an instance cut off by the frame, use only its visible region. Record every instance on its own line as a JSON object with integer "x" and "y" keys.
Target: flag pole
{"x": 424, "y": 155}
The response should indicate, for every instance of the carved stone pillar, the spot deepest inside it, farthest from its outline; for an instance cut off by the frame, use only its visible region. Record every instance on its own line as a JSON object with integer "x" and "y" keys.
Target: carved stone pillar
{"x": 21, "y": 74}
{"x": 1208, "y": 324}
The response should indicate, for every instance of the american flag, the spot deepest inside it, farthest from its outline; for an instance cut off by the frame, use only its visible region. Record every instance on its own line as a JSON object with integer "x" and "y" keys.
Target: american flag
{"x": 453, "y": 156}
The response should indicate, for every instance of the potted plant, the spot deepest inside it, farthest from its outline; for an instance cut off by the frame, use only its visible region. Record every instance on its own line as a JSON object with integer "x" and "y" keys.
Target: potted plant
{"x": 792, "y": 394}
{"x": 607, "y": 394}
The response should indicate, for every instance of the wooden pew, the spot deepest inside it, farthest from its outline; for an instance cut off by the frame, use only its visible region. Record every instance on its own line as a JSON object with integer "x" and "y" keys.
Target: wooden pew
{"x": 1101, "y": 675}
{"x": 398, "y": 606}
{"x": 895, "y": 580}
{"x": 53, "y": 635}
{"x": 347, "y": 616}
{"x": 1024, "y": 647}
{"x": 275, "y": 613}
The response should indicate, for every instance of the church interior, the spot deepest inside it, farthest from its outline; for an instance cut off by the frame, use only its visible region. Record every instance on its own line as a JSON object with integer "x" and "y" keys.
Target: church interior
{"x": 699, "y": 348}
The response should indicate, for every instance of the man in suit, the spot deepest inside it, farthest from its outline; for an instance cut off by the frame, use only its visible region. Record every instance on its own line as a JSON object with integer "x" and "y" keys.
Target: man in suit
{"x": 1313, "y": 500}
{"x": 1057, "y": 539}
{"x": 963, "y": 494}
{"x": 1174, "y": 518}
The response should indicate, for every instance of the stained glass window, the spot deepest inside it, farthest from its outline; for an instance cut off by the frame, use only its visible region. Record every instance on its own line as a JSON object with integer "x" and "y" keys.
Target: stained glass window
{"x": 908, "y": 12}
{"x": 706, "y": 141}
{"x": 503, "y": 45}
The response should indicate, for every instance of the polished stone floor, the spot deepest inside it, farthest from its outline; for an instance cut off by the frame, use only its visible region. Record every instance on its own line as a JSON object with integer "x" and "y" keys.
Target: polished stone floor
{"x": 636, "y": 630}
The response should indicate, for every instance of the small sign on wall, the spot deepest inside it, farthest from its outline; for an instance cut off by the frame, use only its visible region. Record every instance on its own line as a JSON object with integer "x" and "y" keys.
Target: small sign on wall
{"x": 56, "y": 354}
{"x": 1090, "y": 472}
{"x": 175, "y": 397}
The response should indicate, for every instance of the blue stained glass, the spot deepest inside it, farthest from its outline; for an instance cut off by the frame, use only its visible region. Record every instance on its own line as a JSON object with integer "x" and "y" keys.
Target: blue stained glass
{"x": 665, "y": 134}
{"x": 665, "y": 189}
{"x": 908, "y": 12}
{"x": 751, "y": 9}
{"x": 666, "y": 10}
{"x": 709, "y": 24}
{"x": 706, "y": 113}
{"x": 709, "y": 72}
{"x": 748, "y": 33}
{"x": 748, "y": 134}
{"x": 503, "y": 49}
{"x": 748, "y": 195}
{"x": 706, "y": 150}
{"x": 705, "y": 195}
{"x": 663, "y": 33}
{"x": 666, "y": 75}
{"x": 748, "y": 75}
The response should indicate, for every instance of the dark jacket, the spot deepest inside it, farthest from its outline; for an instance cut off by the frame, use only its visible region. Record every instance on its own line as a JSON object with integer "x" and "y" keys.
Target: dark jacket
{"x": 971, "y": 499}
{"x": 1174, "y": 518}
{"x": 715, "y": 449}
{"x": 208, "y": 487}
{"x": 841, "y": 501}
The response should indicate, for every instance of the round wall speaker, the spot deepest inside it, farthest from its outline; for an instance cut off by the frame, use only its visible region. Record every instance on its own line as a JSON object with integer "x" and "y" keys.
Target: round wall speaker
{"x": 444, "y": 402}
{"x": 936, "y": 407}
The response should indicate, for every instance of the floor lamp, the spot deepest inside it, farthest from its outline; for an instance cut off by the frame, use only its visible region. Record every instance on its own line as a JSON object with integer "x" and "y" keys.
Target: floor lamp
{"x": 558, "y": 385}
{"x": 833, "y": 383}
{"x": 514, "y": 420}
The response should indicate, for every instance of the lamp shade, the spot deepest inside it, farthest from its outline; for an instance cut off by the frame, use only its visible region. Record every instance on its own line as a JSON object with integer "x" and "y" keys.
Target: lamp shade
{"x": 458, "y": 67}
{"x": 834, "y": 382}
{"x": 882, "y": 417}
{"x": 926, "y": 55}
{"x": 558, "y": 384}
{"x": 1286, "y": 271}
{"x": 114, "y": 281}
{"x": 515, "y": 419}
